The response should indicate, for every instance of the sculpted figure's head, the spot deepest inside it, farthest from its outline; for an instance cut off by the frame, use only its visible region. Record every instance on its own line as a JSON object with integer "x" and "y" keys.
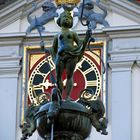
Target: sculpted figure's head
{"x": 65, "y": 20}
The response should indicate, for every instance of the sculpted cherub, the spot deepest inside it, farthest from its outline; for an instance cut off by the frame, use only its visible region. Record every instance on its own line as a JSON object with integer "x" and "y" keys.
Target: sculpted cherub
{"x": 65, "y": 53}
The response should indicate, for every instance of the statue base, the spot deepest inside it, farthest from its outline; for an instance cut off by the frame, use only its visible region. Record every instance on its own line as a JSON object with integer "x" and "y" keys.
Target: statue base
{"x": 70, "y": 123}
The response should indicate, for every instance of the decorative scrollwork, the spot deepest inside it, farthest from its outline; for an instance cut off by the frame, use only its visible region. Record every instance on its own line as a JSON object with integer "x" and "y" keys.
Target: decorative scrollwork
{"x": 96, "y": 110}
{"x": 88, "y": 94}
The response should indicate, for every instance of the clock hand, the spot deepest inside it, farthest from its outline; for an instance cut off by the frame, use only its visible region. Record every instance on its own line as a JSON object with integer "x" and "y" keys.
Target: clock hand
{"x": 47, "y": 84}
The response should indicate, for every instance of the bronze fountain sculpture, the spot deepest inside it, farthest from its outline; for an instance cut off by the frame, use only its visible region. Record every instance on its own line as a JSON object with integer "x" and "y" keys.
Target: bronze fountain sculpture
{"x": 65, "y": 119}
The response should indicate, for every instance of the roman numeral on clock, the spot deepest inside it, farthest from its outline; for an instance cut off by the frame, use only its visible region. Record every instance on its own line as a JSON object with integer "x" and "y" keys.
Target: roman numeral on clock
{"x": 91, "y": 83}
{"x": 51, "y": 63}
{"x": 88, "y": 70}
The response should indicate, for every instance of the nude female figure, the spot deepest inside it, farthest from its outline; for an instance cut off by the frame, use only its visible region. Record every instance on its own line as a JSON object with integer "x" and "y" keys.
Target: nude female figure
{"x": 65, "y": 54}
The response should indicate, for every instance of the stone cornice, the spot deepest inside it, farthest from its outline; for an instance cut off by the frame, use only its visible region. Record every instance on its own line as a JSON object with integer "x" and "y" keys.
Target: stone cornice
{"x": 100, "y": 34}
{"x": 11, "y": 40}
{"x": 124, "y": 54}
{"x": 10, "y": 72}
{"x": 127, "y": 5}
{"x": 121, "y": 65}
{"x": 15, "y": 11}
{"x": 11, "y": 13}
{"x": 11, "y": 61}
{"x": 125, "y": 8}
{"x": 12, "y": 7}
{"x": 10, "y": 66}
{"x": 122, "y": 28}
{"x": 123, "y": 31}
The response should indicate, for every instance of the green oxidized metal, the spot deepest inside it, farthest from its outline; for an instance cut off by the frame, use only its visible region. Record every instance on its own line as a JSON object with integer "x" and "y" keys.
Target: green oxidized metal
{"x": 71, "y": 123}
{"x": 59, "y": 119}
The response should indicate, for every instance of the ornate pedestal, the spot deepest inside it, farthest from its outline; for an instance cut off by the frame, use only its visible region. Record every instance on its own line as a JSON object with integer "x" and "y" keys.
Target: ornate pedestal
{"x": 65, "y": 120}
{"x": 55, "y": 118}
{"x": 71, "y": 123}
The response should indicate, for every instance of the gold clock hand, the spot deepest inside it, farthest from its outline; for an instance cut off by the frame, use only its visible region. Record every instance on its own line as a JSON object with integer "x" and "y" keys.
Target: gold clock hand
{"x": 47, "y": 84}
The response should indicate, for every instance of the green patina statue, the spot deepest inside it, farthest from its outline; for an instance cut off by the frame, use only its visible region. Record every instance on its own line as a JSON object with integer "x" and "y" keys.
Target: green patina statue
{"x": 64, "y": 51}
{"x": 59, "y": 119}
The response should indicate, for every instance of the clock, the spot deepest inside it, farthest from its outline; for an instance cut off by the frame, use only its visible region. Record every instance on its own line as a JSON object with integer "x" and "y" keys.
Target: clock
{"x": 87, "y": 75}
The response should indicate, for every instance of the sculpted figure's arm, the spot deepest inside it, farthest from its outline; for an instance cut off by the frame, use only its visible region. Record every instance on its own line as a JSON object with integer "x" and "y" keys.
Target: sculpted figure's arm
{"x": 86, "y": 39}
{"x": 54, "y": 47}
{"x": 76, "y": 38}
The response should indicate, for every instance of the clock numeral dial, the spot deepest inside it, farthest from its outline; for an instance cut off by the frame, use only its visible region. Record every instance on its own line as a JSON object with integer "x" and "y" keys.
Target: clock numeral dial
{"x": 88, "y": 71}
{"x": 51, "y": 63}
{"x": 36, "y": 87}
{"x": 92, "y": 75}
{"x": 37, "y": 81}
{"x": 91, "y": 83}
{"x": 40, "y": 73}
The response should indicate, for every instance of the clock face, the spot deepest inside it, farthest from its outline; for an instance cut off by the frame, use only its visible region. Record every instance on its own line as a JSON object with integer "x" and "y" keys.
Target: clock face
{"x": 87, "y": 75}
